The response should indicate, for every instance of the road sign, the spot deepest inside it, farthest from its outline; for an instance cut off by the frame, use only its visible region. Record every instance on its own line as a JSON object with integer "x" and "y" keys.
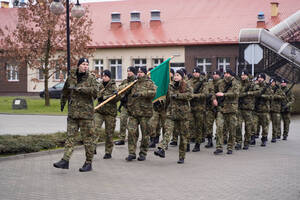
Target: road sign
{"x": 253, "y": 54}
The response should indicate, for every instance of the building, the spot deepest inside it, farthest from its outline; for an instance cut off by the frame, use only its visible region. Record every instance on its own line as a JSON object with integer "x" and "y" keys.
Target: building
{"x": 145, "y": 32}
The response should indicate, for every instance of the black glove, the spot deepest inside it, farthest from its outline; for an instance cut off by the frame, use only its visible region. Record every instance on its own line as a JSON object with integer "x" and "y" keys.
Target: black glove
{"x": 100, "y": 99}
{"x": 135, "y": 95}
{"x": 62, "y": 107}
{"x": 115, "y": 92}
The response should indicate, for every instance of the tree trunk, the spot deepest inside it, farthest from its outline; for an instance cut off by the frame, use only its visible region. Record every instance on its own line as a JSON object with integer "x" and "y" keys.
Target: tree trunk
{"x": 46, "y": 79}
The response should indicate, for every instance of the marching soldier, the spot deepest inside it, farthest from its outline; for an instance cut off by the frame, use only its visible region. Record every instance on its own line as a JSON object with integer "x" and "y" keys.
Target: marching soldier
{"x": 140, "y": 111}
{"x": 227, "y": 100}
{"x": 286, "y": 108}
{"x": 107, "y": 113}
{"x": 178, "y": 97}
{"x": 131, "y": 76}
{"x": 80, "y": 90}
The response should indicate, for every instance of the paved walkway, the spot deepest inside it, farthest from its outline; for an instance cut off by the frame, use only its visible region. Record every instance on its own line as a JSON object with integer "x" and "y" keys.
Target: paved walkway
{"x": 270, "y": 173}
{"x": 34, "y": 124}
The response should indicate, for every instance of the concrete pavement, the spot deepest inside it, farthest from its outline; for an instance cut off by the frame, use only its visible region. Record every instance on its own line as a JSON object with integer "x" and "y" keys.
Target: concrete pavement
{"x": 262, "y": 173}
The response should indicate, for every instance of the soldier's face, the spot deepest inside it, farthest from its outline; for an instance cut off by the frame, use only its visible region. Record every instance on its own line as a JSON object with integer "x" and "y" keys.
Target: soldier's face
{"x": 216, "y": 76}
{"x": 83, "y": 67}
{"x": 226, "y": 75}
{"x": 105, "y": 78}
{"x": 273, "y": 83}
{"x": 140, "y": 74}
{"x": 196, "y": 74}
{"x": 244, "y": 77}
{"x": 177, "y": 77}
{"x": 283, "y": 84}
{"x": 260, "y": 80}
{"x": 130, "y": 73}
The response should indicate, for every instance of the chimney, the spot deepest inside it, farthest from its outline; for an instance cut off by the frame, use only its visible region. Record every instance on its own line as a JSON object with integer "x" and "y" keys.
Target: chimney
{"x": 4, "y": 4}
{"x": 115, "y": 20}
{"x": 135, "y": 19}
{"x": 261, "y": 20}
{"x": 274, "y": 9}
{"x": 155, "y": 18}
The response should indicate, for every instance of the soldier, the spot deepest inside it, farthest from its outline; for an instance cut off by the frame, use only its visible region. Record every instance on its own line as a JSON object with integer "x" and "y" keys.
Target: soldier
{"x": 107, "y": 113}
{"x": 178, "y": 97}
{"x": 140, "y": 111}
{"x": 198, "y": 104}
{"x": 262, "y": 107}
{"x": 211, "y": 110}
{"x": 247, "y": 95}
{"x": 80, "y": 90}
{"x": 227, "y": 100}
{"x": 131, "y": 76}
{"x": 275, "y": 109}
{"x": 287, "y": 102}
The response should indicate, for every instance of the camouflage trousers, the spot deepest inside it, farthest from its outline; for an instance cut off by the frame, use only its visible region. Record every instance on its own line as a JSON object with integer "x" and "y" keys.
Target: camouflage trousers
{"x": 133, "y": 134}
{"x": 182, "y": 126}
{"x": 247, "y": 117}
{"x": 197, "y": 125}
{"x": 110, "y": 124}
{"x": 263, "y": 121}
{"x": 276, "y": 126}
{"x": 123, "y": 123}
{"x": 286, "y": 118}
{"x": 229, "y": 120}
{"x": 86, "y": 130}
{"x": 209, "y": 122}
{"x": 157, "y": 122}
{"x": 255, "y": 127}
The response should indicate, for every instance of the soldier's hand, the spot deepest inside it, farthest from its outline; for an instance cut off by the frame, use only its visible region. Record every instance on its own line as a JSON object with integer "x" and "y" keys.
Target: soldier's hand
{"x": 215, "y": 102}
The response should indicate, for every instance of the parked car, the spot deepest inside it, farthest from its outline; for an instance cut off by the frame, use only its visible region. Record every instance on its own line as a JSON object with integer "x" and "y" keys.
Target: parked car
{"x": 54, "y": 91}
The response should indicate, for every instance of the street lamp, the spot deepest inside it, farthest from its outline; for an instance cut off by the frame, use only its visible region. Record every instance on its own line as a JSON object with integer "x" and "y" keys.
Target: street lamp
{"x": 57, "y": 8}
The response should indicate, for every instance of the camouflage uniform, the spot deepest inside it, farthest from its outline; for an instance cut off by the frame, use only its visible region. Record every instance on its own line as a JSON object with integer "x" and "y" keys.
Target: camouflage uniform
{"x": 228, "y": 110}
{"x": 80, "y": 90}
{"x": 246, "y": 106}
{"x": 287, "y": 102}
{"x": 158, "y": 118}
{"x": 106, "y": 114}
{"x": 275, "y": 108}
{"x": 198, "y": 104}
{"x": 177, "y": 115}
{"x": 124, "y": 112}
{"x": 140, "y": 111}
{"x": 262, "y": 107}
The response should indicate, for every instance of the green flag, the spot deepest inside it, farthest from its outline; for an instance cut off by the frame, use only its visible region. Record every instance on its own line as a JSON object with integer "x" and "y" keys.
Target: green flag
{"x": 160, "y": 75}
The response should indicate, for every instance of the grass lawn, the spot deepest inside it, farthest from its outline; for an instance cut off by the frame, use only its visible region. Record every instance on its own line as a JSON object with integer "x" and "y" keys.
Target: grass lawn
{"x": 35, "y": 105}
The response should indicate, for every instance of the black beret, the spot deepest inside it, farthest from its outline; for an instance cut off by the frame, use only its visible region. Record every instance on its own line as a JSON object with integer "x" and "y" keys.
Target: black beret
{"x": 132, "y": 69}
{"x": 197, "y": 70}
{"x": 143, "y": 69}
{"x": 245, "y": 72}
{"x": 217, "y": 72}
{"x": 180, "y": 72}
{"x": 106, "y": 73}
{"x": 229, "y": 71}
{"x": 262, "y": 75}
{"x": 81, "y": 60}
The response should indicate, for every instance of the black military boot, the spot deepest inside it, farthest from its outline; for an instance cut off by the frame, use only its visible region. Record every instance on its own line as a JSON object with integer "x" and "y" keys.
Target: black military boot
{"x": 196, "y": 147}
{"x": 86, "y": 167}
{"x": 263, "y": 141}
{"x": 252, "y": 140}
{"x": 95, "y": 151}
{"x": 156, "y": 139}
{"x": 107, "y": 156}
{"x": 120, "y": 142}
{"x": 246, "y": 147}
{"x": 130, "y": 157}
{"x": 209, "y": 143}
{"x": 256, "y": 136}
{"x": 278, "y": 137}
{"x": 229, "y": 152}
{"x": 188, "y": 147}
{"x": 273, "y": 140}
{"x": 238, "y": 147}
{"x": 62, "y": 164}
{"x": 173, "y": 143}
{"x": 284, "y": 138}
{"x": 218, "y": 151}
{"x": 152, "y": 143}
{"x": 141, "y": 158}
{"x": 160, "y": 152}
{"x": 180, "y": 161}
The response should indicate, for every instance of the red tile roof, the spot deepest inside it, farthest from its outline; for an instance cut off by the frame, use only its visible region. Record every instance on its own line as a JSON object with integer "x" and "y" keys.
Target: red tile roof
{"x": 183, "y": 22}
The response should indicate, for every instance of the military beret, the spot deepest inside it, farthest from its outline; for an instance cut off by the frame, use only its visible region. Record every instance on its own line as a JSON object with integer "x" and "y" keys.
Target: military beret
{"x": 196, "y": 70}
{"x": 180, "y": 72}
{"x": 245, "y": 72}
{"x": 184, "y": 70}
{"x": 217, "y": 72}
{"x": 143, "y": 69}
{"x": 132, "y": 69}
{"x": 262, "y": 75}
{"x": 81, "y": 60}
{"x": 106, "y": 73}
{"x": 229, "y": 71}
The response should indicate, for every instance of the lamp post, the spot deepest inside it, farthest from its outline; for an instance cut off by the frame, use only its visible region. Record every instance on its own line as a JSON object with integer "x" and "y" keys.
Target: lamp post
{"x": 57, "y": 8}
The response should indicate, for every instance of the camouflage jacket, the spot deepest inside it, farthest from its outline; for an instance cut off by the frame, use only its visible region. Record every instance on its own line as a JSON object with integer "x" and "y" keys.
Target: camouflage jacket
{"x": 104, "y": 93}
{"x": 124, "y": 95}
{"x": 198, "y": 102}
{"x": 80, "y": 95}
{"x": 178, "y": 102}
{"x": 288, "y": 100}
{"x": 229, "y": 104}
{"x": 140, "y": 98}
{"x": 276, "y": 100}
{"x": 211, "y": 88}
{"x": 248, "y": 92}
{"x": 262, "y": 102}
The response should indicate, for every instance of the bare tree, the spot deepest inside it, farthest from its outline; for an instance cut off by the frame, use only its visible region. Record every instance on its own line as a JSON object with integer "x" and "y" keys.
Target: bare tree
{"x": 39, "y": 40}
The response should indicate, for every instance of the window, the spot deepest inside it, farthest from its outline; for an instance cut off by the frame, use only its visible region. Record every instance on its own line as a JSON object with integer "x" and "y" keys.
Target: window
{"x": 116, "y": 69}
{"x": 98, "y": 66}
{"x": 223, "y": 63}
{"x": 40, "y": 74}
{"x": 157, "y": 61}
{"x": 139, "y": 62}
{"x": 60, "y": 74}
{"x": 12, "y": 73}
{"x": 204, "y": 64}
